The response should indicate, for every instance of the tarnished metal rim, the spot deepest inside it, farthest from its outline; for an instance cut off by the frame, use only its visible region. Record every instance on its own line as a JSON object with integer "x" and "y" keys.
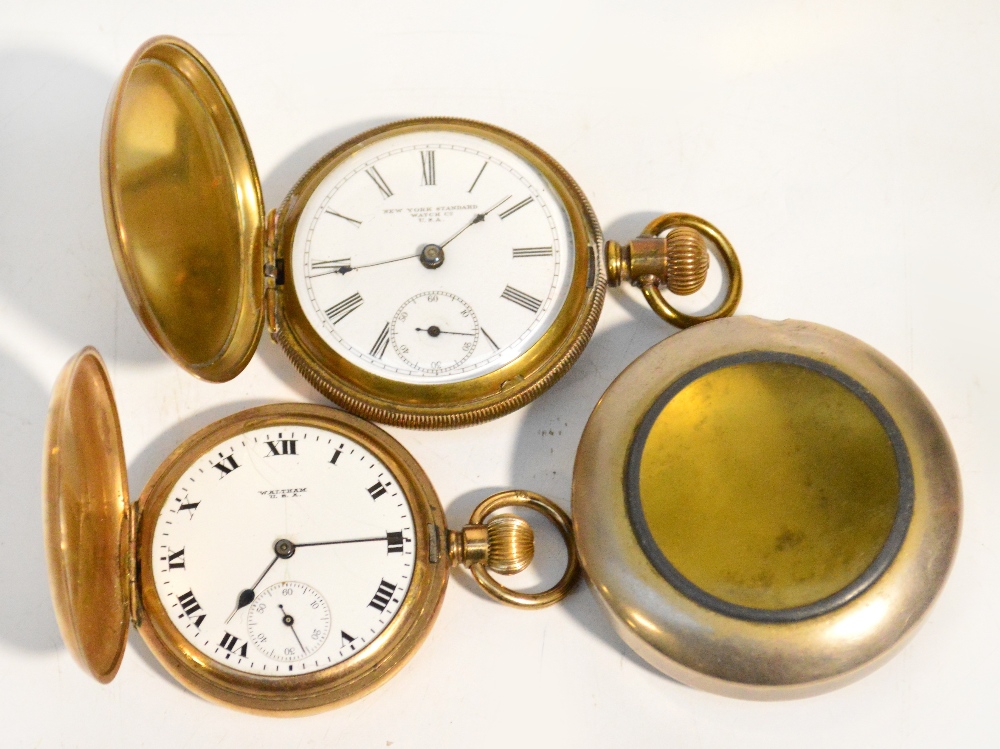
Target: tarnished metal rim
{"x": 736, "y": 657}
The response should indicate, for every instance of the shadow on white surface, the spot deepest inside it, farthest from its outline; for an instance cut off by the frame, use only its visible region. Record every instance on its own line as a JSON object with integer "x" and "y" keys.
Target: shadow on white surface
{"x": 58, "y": 267}
{"x": 29, "y": 622}
{"x": 139, "y": 648}
{"x": 284, "y": 176}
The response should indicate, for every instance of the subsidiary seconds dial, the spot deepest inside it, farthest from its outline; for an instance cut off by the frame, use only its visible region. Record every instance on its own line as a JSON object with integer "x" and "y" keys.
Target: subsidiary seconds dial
{"x": 434, "y": 332}
{"x": 288, "y": 621}
{"x": 419, "y": 218}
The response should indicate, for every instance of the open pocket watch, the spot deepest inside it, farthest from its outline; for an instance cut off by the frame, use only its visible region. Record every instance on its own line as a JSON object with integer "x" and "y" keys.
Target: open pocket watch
{"x": 428, "y": 273}
{"x": 284, "y": 559}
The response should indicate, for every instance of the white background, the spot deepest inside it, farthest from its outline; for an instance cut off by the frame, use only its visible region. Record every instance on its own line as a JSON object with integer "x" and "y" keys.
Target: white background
{"x": 850, "y": 152}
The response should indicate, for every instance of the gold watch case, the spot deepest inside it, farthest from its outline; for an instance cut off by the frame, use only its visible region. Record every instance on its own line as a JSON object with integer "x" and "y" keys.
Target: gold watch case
{"x": 765, "y": 509}
{"x": 204, "y": 269}
{"x": 100, "y": 548}
{"x": 186, "y": 222}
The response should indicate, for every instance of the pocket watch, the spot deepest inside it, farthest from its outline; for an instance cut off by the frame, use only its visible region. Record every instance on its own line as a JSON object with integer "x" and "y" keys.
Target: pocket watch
{"x": 765, "y": 509}
{"x": 431, "y": 272}
{"x": 287, "y": 558}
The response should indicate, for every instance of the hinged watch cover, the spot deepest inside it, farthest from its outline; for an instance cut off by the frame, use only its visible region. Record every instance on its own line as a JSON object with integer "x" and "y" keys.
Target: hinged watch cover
{"x": 86, "y": 515}
{"x": 184, "y": 210}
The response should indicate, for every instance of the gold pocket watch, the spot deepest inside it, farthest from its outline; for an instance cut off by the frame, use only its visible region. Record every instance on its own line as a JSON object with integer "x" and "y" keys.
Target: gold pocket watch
{"x": 427, "y": 273}
{"x": 284, "y": 559}
{"x": 765, "y": 509}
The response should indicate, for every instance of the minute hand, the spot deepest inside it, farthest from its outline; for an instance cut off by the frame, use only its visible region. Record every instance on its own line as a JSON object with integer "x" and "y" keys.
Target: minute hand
{"x": 478, "y": 218}
{"x": 343, "y": 541}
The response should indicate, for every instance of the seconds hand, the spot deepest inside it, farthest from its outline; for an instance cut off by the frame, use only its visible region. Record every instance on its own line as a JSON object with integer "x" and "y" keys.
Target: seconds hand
{"x": 289, "y": 621}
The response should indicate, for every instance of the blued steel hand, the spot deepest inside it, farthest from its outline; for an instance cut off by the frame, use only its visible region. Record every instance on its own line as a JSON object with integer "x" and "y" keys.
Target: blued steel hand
{"x": 246, "y": 597}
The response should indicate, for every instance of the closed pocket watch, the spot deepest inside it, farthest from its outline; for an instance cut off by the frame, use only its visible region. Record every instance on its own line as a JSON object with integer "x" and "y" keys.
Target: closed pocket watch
{"x": 285, "y": 559}
{"x": 765, "y": 509}
{"x": 427, "y": 273}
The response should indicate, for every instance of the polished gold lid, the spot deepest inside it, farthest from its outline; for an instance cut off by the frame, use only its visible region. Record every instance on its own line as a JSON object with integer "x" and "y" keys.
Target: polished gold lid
{"x": 184, "y": 210}
{"x": 85, "y": 493}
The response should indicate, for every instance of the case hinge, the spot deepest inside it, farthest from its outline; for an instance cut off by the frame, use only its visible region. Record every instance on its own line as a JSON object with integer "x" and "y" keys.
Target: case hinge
{"x": 134, "y": 604}
{"x": 273, "y": 271}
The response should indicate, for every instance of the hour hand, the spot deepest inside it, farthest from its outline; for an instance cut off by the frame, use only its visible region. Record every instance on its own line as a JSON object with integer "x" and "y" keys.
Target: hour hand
{"x": 246, "y": 596}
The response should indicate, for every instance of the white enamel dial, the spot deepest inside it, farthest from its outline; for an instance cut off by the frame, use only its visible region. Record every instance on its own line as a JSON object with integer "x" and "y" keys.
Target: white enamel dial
{"x": 440, "y": 214}
{"x": 284, "y": 550}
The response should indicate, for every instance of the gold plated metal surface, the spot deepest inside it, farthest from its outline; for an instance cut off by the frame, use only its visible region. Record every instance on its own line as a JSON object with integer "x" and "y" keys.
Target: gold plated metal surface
{"x": 512, "y": 544}
{"x": 203, "y": 270}
{"x": 184, "y": 209}
{"x": 768, "y": 484}
{"x": 101, "y": 549}
{"x": 470, "y": 401}
{"x": 679, "y": 260}
{"x": 520, "y": 548}
{"x": 350, "y": 679}
{"x": 86, "y": 514}
{"x": 730, "y": 632}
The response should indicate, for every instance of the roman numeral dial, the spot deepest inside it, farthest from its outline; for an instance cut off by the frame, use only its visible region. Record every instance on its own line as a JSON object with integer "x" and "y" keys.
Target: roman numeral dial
{"x": 432, "y": 256}
{"x": 283, "y": 550}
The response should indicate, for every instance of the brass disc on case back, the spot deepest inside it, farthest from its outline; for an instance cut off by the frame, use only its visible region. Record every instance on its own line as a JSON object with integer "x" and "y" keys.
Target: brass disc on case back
{"x": 85, "y": 495}
{"x": 766, "y": 509}
{"x": 184, "y": 210}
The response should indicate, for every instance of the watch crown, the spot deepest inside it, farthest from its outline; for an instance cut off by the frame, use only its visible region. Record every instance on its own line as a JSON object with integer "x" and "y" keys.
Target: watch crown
{"x": 687, "y": 260}
{"x": 511, "y": 544}
{"x": 679, "y": 260}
